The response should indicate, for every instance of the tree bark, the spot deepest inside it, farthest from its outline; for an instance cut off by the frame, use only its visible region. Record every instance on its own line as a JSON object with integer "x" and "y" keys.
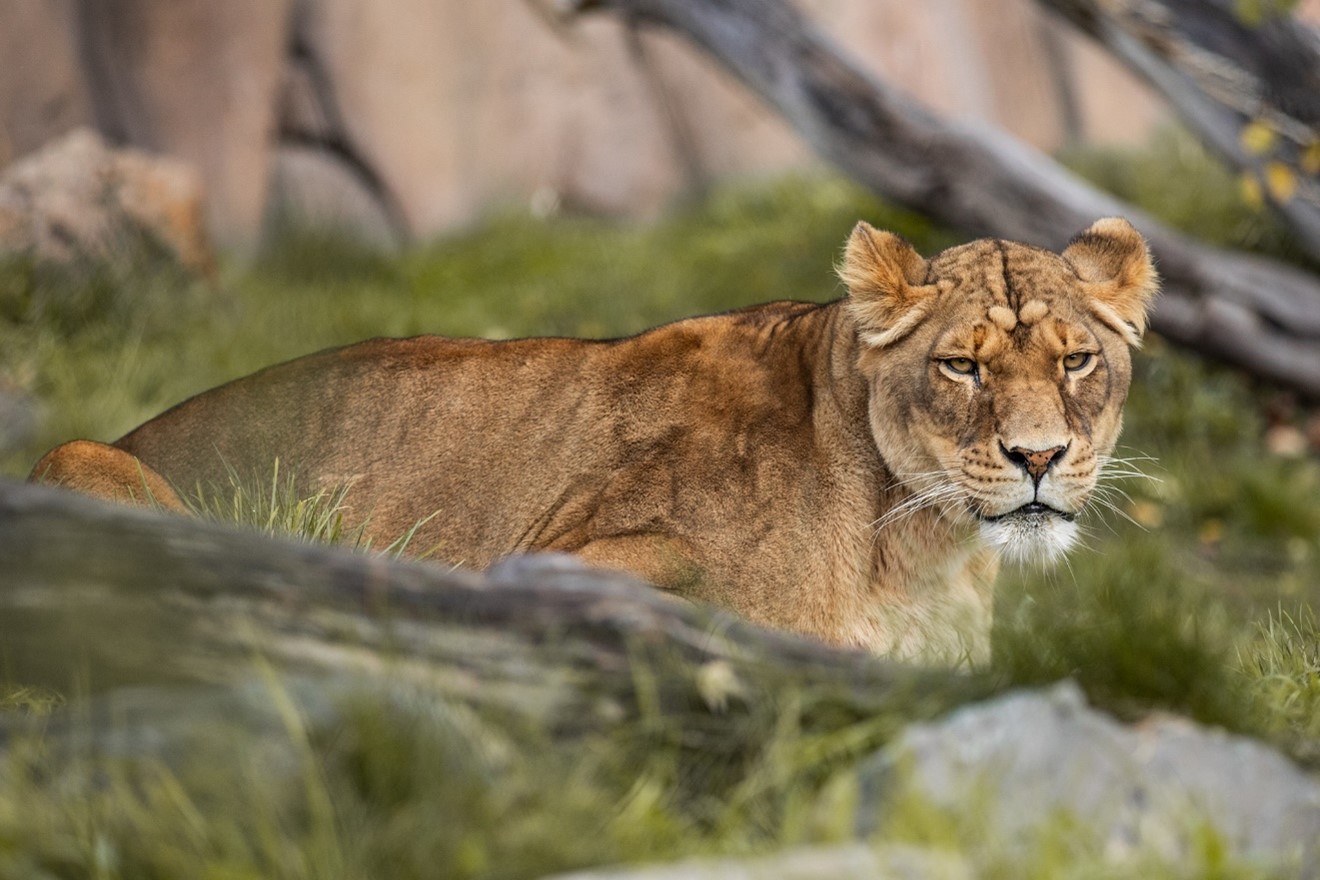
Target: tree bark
{"x": 1256, "y": 313}
{"x": 103, "y": 597}
{"x": 1249, "y": 89}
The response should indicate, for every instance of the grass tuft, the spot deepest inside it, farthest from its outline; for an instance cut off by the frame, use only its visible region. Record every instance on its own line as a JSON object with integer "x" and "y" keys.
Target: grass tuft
{"x": 29, "y": 701}
{"x": 280, "y": 505}
{"x": 1280, "y": 659}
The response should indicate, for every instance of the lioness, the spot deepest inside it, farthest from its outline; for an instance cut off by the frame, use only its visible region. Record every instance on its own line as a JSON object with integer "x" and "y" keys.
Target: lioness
{"x": 850, "y": 470}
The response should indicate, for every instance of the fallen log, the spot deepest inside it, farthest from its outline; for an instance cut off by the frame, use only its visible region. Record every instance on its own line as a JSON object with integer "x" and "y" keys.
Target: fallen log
{"x": 100, "y": 597}
{"x": 1256, "y": 313}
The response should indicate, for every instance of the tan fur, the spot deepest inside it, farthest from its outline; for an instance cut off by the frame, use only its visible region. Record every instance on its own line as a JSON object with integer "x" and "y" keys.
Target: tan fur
{"x": 770, "y": 460}
{"x": 106, "y": 472}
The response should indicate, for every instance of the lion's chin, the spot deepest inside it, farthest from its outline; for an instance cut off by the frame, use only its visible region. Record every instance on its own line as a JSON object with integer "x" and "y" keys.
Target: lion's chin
{"x": 1032, "y": 533}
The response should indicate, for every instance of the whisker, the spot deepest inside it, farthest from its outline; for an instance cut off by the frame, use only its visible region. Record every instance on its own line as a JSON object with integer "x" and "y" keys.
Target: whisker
{"x": 1110, "y": 505}
{"x": 1124, "y": 467}
{"x": 915, "y": 503}
{"x": 937, "y": 490}
{"x": 1067, "y": 562}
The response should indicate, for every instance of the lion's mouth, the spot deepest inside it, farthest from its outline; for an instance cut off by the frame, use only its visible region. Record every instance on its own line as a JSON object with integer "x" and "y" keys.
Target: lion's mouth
{"x": 1030, "y": 510}
{"x": 1034, "y": 531}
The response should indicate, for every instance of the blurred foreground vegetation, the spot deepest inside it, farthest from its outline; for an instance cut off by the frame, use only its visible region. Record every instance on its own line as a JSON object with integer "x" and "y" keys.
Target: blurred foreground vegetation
{"x": 1199, "y": 600}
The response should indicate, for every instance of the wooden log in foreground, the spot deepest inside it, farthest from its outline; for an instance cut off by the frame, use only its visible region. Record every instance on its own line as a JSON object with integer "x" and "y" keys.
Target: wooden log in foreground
{"x": 104, "y": 596}
{"x": 1258, "y": 314}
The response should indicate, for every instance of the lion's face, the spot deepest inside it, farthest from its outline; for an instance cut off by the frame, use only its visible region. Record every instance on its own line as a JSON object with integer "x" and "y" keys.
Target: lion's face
{"x": 998, "y": 373}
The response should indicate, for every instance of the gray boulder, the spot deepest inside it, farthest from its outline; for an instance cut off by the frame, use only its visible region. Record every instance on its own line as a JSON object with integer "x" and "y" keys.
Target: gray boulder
{"x": 311, "y": 188}
{"x": 78, "y": 200}
{"x": 20, "y": 416}
{"x": 1030, "y": 759}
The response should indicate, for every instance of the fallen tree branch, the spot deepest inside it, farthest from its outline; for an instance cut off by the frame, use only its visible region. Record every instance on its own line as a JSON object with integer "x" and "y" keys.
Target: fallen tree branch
{"x": 1249, "y": 89}
{"x": 1255, "y": 313}
{"x": 106, "y": 596}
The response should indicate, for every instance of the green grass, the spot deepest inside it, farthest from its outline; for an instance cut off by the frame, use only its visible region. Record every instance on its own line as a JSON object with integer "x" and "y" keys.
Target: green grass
{"x": 1206, "y": 609}
{"x": 401, "y": 784}
{"x": 273, "y": 505}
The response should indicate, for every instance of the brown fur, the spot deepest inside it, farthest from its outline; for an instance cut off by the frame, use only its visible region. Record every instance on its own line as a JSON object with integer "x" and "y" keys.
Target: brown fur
{"x": 759, "y": 460}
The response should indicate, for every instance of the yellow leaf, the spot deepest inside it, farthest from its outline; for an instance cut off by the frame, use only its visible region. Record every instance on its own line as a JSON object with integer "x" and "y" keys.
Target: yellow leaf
{"x": 1211, "y": 531}
{"x": 1252, "y": 194}
{"x": 1310, "y": 160}
{"x": 1281, "y": 181}
{"x": 1147, "y": 513}
{"x": 1258, "y": 137}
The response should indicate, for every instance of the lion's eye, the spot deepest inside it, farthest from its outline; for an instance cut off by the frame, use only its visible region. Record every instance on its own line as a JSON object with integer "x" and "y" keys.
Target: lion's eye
{"x": 1078, "y": 360}
{"x": 961, "y": 366}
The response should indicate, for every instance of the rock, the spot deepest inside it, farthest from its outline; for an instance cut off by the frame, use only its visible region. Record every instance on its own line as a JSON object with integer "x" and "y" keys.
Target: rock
{"x": 77, "y": 200}
{"x": 198, "y": 80}
{"x": 1028, "y": 759}
{"x": 455, "y": 106}
{"x": 459, "y": 105}
{"x": 850, "y": 862}
{"x": 313, "y": 188}
{"x": 43, "y": 93}
{"x": 20, "y": 415}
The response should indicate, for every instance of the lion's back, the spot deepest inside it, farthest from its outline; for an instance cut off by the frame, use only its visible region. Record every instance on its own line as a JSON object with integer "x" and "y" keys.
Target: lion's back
{"x": 482, "y": 438}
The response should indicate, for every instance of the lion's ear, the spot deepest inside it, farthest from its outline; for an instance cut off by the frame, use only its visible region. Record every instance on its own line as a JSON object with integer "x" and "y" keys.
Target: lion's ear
{"x": 1114, "y": 261}
{"x": 884, "y": 277}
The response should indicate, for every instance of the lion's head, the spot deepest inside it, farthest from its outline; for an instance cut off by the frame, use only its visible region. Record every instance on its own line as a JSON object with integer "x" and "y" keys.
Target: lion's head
{"x": 998, "y": 372}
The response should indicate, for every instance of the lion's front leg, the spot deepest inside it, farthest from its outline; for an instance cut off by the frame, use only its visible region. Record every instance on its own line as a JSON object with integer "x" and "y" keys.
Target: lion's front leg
{"x": 662, "y": 560}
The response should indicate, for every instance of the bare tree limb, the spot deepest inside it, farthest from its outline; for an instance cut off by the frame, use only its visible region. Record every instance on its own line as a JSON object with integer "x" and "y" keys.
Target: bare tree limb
{"x": 110, "y": 596}
{"x": 985, "y": 183}
{"x": 1249, "y": 89}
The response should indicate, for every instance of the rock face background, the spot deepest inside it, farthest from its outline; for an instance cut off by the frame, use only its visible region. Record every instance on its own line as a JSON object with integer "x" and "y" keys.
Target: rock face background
{"x": 409, "y": 117}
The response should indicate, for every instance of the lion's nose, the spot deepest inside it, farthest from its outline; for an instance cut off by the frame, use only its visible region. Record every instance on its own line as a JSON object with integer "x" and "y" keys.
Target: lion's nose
{"x": 1035, "y": 462}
